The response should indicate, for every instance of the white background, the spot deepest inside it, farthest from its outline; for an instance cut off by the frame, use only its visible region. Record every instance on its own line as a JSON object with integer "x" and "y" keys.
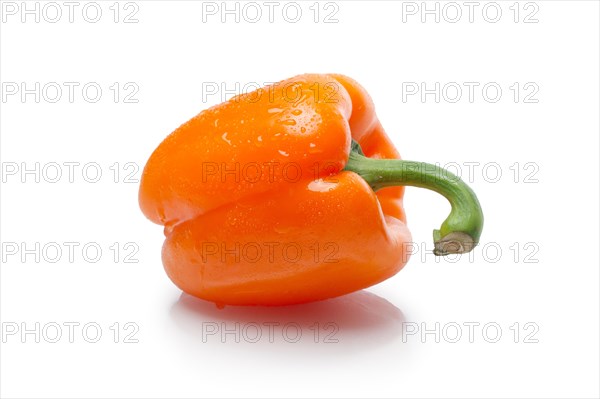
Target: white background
{"x": 543, "y": 220}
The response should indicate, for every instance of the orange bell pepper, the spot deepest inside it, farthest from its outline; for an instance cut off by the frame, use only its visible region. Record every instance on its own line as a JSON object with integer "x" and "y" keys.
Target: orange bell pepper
{"x": 291, "y": 194}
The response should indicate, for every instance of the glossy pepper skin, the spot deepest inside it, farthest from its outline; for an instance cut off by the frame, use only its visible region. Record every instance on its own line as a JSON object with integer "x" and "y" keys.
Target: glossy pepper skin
{"x": 257, "y": 206}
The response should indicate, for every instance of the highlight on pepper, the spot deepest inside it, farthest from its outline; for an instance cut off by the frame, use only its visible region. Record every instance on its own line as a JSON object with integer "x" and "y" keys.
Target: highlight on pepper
{"x": 291, "y": 194}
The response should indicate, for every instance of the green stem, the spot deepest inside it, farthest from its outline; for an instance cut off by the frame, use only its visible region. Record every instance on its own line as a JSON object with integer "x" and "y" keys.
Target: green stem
{"x": 461, "y": 230}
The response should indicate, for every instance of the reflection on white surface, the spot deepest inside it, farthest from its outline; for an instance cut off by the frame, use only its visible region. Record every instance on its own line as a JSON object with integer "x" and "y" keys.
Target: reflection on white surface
{"x": 358, "y": 321}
